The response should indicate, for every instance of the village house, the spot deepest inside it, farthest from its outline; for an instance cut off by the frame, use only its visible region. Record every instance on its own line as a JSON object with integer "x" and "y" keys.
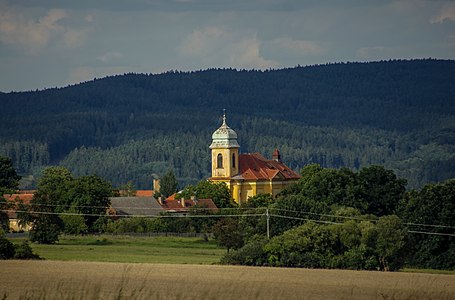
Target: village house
{"x": 183, "y": 206}
{"x": 134, "y": 207}
{"x": 14, "y": 200}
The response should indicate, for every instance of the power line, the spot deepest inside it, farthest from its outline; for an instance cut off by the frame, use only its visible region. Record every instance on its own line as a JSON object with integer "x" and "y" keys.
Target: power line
{"x": 208, "y": 216}
{"x": 130, "y": 207}
{"x": 237, "y": 209}
{"x": 430, "y": 225}
{"x": 180, "y": 215}
{"x": 359, "y": 218}
{"x": 431, "y": 233}
{"x": 303, "y": 219}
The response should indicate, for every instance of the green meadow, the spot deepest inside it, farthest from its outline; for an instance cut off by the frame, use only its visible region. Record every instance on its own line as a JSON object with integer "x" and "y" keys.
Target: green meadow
{"x": 131, "y": 249}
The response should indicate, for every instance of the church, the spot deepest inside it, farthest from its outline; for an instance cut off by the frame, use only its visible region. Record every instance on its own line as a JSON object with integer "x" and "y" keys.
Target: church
{"x": 247, "y": 174}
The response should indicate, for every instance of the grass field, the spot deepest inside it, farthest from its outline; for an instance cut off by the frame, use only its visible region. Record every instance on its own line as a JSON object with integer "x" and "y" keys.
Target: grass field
{"x": 96, "y": 280}
{"x": 130, "y": 249}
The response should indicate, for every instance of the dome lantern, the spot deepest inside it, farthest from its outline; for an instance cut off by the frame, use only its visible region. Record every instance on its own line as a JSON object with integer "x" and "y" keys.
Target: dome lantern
{"x": 224, "y": 137}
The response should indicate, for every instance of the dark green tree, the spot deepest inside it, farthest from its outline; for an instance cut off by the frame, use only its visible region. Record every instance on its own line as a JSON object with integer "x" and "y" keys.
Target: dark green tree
{"x": 168, "y": 184}
{"x": 228, "y": 233}
{"x": 392, "y": 238}
{"x": 9, "y": 183}
{"x": 45, "y": 229}
{"x": 48, "y": 201}
{"x": 217, "y": 191}
{"x": 260, "y": 200}
{"x": 295, "y": 209}
{"x": 89, "y": 196}
{"x": 434, "y": 204}
{"x": 9, "y": 180}
{"x": 381, "y": 189}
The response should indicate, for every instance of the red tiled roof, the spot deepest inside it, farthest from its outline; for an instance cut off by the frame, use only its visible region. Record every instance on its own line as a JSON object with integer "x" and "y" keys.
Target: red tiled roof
{"x": 13, "y": 198}
{"x": 144, "y": 193}
{"x": 25, "y": 198}
{"x": 254, "y": 166}
{"x": 171, "y": 197}
{"x": 178, "y": 206}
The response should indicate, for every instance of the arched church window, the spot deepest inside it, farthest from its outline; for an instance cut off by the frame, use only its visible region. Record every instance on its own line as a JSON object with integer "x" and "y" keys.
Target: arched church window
{"x": 233, "y": 160}
{"x": 219, "y": 161}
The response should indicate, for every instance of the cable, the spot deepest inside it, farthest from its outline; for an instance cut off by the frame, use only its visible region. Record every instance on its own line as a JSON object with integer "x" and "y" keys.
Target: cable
{"x": 429, "y": 225}
{"x": 295, "y": 218}
{"x": 240, "y": 208}
{"x": 359, "y": 218}
{"x": 133, "y": 216}
{"x": 188, "y": 215}
{"x": 431, "y": 233}
{"x": 133, "y": 207}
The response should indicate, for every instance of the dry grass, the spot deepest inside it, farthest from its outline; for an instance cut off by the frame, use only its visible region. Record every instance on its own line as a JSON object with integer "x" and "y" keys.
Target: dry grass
{"x": 93, "y": 280}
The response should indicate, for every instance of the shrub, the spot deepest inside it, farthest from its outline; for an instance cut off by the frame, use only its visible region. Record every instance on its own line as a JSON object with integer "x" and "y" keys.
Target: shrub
{"x": 6, "y": 248}
{"x": 24, "y": 251}
{"x": 73, "y": 224}
{"x": 251, "y": 254}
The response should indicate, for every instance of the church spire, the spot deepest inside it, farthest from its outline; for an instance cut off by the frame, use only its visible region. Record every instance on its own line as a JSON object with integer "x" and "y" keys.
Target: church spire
{"x": 224, "y": 116}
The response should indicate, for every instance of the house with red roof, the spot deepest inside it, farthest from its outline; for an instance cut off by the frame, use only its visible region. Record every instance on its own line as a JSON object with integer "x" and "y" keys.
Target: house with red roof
{"x": 13, "y": 201}
{"x": 174, "y": 205}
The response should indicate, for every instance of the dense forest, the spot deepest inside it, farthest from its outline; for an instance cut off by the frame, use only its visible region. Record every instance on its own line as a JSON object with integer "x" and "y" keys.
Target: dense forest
{"x": 133, "y": 127}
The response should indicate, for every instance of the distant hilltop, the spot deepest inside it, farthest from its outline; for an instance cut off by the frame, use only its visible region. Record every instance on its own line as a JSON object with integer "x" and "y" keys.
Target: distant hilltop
{"x": 399, "y": 114}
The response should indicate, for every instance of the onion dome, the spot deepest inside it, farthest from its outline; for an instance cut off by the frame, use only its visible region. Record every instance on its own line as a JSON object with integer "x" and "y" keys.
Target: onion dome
{"x": 224, "y": 137}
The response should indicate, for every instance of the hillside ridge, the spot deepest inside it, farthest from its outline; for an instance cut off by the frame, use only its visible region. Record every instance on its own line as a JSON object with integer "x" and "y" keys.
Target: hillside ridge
{"x": 398, "y": 113}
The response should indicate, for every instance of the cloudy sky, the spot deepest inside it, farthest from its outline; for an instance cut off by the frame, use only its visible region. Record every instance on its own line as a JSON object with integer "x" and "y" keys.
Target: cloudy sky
{"x": 49, "y": 43}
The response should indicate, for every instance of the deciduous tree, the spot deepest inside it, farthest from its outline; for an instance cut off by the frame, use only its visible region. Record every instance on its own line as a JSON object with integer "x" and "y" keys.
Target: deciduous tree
{"x": 228, "y": 233}
{"x": 217, "y": 191}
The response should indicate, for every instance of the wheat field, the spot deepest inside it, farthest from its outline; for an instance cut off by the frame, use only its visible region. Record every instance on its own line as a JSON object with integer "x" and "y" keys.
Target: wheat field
{"x": 93, "y": 280}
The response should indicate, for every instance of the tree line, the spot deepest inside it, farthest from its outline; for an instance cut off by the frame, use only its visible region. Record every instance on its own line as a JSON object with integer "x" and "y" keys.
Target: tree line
{"x": 336, "y": 218}
{"x": 330, "y": 218}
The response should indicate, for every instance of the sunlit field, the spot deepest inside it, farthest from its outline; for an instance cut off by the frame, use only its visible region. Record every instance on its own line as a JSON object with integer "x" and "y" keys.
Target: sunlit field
{"x": 131, "y": 249}
{"x": 95, "y": 280}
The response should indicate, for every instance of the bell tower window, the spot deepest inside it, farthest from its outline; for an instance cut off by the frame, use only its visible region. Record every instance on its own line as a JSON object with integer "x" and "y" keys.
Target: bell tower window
{"x": 233, "y": 160}
{"x": 219, "y": 161}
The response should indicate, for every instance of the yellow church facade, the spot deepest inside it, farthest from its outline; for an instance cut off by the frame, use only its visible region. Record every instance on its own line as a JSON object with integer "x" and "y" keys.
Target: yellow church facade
{"x": 247, "y": 174}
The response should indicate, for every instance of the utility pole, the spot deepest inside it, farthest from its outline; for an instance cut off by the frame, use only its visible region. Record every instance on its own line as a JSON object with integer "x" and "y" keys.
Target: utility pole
{"x": 268, "y": 222}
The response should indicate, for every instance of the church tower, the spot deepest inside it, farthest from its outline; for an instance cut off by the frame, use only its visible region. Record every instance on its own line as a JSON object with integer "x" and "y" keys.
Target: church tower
{"x": 225, "y": 152}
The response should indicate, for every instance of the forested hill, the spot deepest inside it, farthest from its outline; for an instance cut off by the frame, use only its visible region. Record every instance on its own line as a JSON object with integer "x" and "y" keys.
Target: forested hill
{"x": 400, "y": 114}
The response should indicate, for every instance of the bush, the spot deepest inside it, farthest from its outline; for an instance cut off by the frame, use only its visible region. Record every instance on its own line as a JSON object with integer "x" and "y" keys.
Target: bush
{"x": 251, "y": 254}
{"x": 6, "y": 248}
{"x": 24, "y": 251}
{"x": 73, "y": 224}
{"x": 46, "y": 229}
{"x": 308, "y": 246}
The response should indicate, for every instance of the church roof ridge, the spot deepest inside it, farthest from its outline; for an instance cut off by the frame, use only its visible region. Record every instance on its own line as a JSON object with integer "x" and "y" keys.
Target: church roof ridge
{"x": 256, "y": 166}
